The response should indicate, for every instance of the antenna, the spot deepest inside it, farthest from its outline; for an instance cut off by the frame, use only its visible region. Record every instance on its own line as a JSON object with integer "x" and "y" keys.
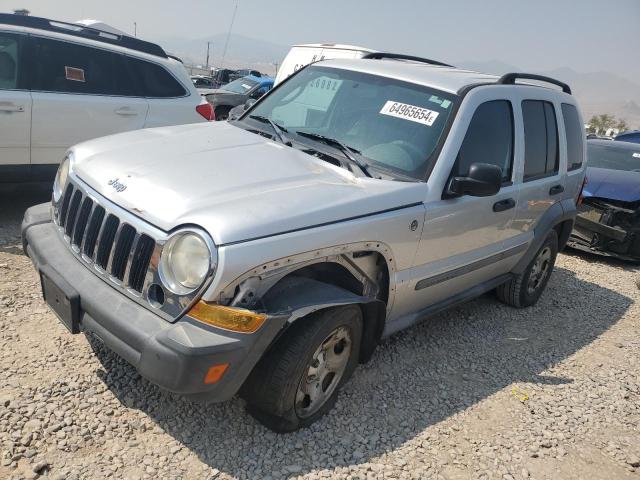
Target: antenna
{"x": 226, "y": 43}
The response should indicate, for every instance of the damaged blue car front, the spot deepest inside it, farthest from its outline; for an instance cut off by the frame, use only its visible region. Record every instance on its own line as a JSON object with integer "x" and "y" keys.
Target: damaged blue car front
{"x": 608, "y": 220}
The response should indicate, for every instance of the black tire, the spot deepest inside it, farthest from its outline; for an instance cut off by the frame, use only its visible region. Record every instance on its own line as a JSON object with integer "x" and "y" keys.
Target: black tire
{"x": 274, "y": 385}
{"x": 525, "y": 290}
{"x": 222, "y": 113}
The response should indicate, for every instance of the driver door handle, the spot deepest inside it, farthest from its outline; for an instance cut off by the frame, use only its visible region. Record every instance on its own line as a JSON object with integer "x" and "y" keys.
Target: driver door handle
{"x": 11, "y": 107}
{"x": 556, "y": 189}
{"x": 126, "y": 112}
{"x": 503, "y": 205}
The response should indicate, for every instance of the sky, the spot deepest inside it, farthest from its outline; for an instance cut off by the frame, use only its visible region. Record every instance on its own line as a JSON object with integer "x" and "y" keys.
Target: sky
{"x": 585, "y": 35}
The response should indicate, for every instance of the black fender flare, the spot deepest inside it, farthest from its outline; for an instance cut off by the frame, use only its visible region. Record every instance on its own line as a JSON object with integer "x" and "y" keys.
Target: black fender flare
{"x": 556, "y": 214}
{"x": 296, "y": 297}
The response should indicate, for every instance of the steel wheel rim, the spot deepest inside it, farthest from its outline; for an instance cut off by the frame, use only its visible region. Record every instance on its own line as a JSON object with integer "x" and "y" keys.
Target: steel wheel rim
{"x": 323, "y": 373}
{"x": 539, "y": 270}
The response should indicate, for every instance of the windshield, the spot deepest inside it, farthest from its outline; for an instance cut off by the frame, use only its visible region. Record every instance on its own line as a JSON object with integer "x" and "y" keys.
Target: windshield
{"x": 614, "y": 157}
{"x": 394, "y": 125}
{"x": 241, "y": 85}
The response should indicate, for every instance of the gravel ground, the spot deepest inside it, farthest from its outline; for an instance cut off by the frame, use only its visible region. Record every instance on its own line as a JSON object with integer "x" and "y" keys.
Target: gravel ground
{"x": 482, "y": 391}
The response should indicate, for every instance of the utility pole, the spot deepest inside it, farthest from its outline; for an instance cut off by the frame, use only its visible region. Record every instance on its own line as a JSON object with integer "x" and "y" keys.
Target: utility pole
{"x": 208, "y": 44}
{"x": 135, "y": 29}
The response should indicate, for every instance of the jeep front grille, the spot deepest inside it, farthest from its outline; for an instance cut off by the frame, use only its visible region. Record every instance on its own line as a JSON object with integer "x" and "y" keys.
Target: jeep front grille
{"x": 119, "y": 247}
{"x": 114, "y": 247}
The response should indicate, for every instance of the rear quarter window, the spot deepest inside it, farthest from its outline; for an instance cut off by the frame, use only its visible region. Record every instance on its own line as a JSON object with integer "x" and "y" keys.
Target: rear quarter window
{"x": 575, "y": 136}
{"x": 153, "y": 81}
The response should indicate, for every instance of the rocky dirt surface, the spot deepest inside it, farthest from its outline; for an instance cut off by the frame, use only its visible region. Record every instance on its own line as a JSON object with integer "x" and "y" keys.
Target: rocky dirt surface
{"x": 482, "y": 391}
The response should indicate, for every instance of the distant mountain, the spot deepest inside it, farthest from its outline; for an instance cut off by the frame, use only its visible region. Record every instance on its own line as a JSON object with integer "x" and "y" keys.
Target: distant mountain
{"x": 596, "y": 92}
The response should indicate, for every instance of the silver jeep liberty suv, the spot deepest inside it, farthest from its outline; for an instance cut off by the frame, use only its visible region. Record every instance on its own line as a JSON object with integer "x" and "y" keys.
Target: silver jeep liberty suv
{"x": 268, "y": 256}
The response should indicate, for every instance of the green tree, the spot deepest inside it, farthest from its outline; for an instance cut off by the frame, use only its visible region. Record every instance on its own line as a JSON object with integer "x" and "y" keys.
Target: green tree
{"x": 599, "y": 124}
{"x": 622, "y": 125}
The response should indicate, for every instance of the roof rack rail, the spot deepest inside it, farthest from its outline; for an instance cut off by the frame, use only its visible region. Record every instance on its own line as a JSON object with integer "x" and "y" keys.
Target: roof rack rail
{"x": 174, "y": 57}
{"x": 83, "y": 31}
{"x": 510, "y": 79}
{"x": 400, "y": 56}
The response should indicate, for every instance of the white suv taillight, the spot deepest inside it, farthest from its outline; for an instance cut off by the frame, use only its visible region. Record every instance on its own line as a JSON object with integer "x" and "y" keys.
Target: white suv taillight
{"x": 206, "y": 110}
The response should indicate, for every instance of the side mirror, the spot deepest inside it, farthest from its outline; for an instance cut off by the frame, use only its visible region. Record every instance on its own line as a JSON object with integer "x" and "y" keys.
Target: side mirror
{"x": 483, "y": 180}
{"x": 248, "y": 103}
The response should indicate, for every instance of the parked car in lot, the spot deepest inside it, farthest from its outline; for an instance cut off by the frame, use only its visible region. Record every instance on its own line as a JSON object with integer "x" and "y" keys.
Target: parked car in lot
{"x": 61, "y": 84}
{"x": 236, "y": 93}
{"x": 608, "y": 220}
{"x": 302, "y": 55}
{"x": 244, "y": 72}
{"x": 269, "y": 256}
{"x": 202, "y": 81}
{"x": 629, "y": 136}
{"x": 222, "y": 76}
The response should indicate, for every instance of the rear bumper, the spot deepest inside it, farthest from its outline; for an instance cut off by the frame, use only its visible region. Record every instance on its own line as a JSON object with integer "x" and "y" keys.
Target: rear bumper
{"x": 175, "y": 356}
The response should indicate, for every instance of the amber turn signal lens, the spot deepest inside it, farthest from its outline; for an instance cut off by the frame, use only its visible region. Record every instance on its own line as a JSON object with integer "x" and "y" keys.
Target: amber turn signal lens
{"x": 215, "y": 373}
{"x": 234, "y": 319}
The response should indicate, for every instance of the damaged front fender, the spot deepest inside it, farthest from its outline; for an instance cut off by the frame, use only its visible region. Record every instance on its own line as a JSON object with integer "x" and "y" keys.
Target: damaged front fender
{"x": 296, "y": 297}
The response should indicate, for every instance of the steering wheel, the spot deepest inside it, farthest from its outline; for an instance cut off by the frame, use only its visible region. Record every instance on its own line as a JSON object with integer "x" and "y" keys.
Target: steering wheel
{"x": 414, "y": 152}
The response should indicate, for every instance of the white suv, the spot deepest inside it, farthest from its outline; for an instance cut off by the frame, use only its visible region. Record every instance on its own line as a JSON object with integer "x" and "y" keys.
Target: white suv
{"x": 62, "y": 83}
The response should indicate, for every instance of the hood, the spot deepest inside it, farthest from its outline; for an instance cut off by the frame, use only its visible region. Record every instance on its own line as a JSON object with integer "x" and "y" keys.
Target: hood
{"x": 613, "y": 184}
{"x": 235, "y": 184}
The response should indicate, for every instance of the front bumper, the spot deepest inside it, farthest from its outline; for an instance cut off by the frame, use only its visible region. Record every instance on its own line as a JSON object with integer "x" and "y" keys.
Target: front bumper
{"x": 175, "y": 356}
{"x": 598, "y": 230}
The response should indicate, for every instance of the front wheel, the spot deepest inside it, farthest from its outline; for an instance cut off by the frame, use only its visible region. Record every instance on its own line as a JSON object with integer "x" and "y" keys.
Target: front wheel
{"x": 525, "y": 289}
{"x": 298, "y": 380}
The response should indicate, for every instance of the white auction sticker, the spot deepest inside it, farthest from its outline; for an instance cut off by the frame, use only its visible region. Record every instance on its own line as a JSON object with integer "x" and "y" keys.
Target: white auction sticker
{"x": 409, "y": 112}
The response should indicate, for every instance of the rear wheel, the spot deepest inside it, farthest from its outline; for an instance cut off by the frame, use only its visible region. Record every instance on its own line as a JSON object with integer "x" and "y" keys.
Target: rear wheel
{"x": 298, "y": 380}
{"x": 525, "y": 289}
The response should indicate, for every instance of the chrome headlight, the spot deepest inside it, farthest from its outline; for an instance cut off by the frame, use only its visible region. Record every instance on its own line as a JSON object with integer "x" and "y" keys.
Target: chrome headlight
{"x": 62, "y": 175}
{"x": 187, "y": 259}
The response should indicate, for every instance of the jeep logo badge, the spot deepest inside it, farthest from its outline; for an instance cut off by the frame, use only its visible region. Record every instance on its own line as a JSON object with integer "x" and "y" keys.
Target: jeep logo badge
{"x": 119, "y": 187}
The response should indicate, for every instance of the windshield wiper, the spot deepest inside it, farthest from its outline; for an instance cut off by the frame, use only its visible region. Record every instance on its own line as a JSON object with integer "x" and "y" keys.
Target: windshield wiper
{"x": 276, "y": 128}
{"x": 345, "y": 149}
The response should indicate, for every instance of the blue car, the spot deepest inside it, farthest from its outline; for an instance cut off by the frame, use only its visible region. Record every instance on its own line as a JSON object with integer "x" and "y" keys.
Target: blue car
{"x": 629, "y": 136}
{"x": 608, "y": 220}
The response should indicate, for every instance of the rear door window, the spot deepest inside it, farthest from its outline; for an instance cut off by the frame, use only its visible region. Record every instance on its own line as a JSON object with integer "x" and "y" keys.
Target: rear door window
{"x": 489, "y": 139}
{"x": 540, "y": 139}
{"x": 575, "y": 136}
{"x": 66, "y": 67}
{"x": 154, "y": 81}
{"x": 10, "y": 62}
